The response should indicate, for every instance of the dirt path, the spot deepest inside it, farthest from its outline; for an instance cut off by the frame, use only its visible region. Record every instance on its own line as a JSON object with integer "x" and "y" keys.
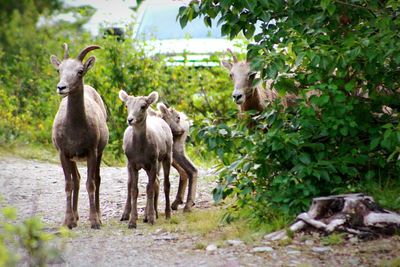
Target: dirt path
{"x": 35, "y": 187}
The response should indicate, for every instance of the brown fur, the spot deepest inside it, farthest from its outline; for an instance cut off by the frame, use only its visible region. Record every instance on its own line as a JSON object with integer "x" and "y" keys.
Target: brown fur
{"x": 147, "y": 145}
{"x": 179, "y": 125}
{"x": 79, "y": 133}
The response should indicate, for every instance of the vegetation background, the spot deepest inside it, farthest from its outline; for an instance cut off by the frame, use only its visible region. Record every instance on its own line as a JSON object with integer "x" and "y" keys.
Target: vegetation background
{"x": 338, "y": 142}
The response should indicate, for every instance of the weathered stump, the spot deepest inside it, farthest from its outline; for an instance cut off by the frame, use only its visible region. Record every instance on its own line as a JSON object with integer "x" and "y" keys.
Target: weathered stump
{"x": 353, "y": 213}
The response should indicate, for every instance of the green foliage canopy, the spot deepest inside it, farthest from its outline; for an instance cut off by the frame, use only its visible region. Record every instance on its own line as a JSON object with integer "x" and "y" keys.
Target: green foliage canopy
{"x": 335, "y": 142}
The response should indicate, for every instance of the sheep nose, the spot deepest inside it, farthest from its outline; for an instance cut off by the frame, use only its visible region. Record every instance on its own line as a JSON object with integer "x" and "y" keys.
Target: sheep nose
{"x": 130, "y": 121}
{"x": 237, "y": 97}
{"x": 61, "y": 87}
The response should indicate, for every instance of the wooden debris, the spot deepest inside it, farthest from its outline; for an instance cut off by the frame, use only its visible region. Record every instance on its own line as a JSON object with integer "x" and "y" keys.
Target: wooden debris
{"x": 357, "y": 214}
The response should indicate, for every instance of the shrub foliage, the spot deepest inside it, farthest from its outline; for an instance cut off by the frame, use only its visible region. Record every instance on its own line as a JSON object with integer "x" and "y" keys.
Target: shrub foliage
{"x": 335, "y": 142}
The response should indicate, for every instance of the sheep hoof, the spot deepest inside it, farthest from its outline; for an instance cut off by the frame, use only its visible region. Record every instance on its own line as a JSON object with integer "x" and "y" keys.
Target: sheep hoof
{"x": 132, "y": 226}
{"x": 187, "y": 208}
{"x": 145, "y": 220}
{"x": 70, "y": 222}
{"x": 125, "y": 217}
{"x": 176, "y": 203}
{"x": 151, "y": 220}
{"x": 168, "y": 214}
{"x": 71, "y": 225}
{"x": 95, "y": 226}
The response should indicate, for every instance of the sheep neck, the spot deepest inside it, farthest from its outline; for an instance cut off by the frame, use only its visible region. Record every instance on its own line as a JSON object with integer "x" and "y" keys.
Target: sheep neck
{"x": 139, "y": 135}
{"x": 76, "y": 108}
{"x": 254, "y": 100}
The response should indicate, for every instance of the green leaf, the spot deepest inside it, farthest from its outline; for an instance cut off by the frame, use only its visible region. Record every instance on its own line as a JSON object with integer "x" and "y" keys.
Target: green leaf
{"x": 10, "y": 213}
{"x": 305, "y": 158}
{"x": 344, "y": 131}
{"x": 183, "y": 21}
{"x": 331, "y": 9}
{"x": 325, "y": 4}
{"x": 207, "y": 21}
{"x": 250, "y": 4}
{"x": 350, "y": 86}
{"x": 375, "y": 142}
{"x": 225, "y": 29}
{"x": 249, "y": 31}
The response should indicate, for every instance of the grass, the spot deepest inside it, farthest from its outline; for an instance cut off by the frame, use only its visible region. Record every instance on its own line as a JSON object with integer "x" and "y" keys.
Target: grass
{"x": 390, "y": 263}
{"x": 333, "y": 239}
{"x": 386, "y": 192}
{"x": 207, "y": 224}
{"x": 29, "y": 151}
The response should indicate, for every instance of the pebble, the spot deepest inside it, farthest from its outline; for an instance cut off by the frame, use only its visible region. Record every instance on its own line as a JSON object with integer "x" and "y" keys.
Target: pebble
{"x": 166, "y": 237}
{"x": 353, "y": 240}
{"x": 354, "y": 261}
{"x": 321, "y": 249}
{"x": 211, "y": 247}
{"x": 293, "y": 252}
{"x": 309, "y": 242}
{"x": 262, "y": 249}
{"x": 234, "y": 242}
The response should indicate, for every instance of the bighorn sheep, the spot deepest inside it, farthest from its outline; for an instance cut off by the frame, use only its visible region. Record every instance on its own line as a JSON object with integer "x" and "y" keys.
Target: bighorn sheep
{"x": 179, "y": 125}
{"x": 79, "y": 132}
{"x": 245, "y": 95}
{"x": 147, "y": 144}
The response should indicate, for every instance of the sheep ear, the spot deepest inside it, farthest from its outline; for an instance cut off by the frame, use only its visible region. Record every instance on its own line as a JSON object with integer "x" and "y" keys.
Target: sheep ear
{"x": 152, "y": 98}
{"x": 54, "y": 60}
{"x": 161, "y": 107}
{"x": 252, "y": 75}
{"x": 89, "y": 64}
{"x": 123, "y": 96}
{"x": 226, "y": 64}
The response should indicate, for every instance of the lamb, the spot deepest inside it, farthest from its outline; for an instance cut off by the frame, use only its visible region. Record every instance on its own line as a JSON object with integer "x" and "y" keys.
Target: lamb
{"x": 79, "y": 133}
{"x": 179, "y": 125}
{"x": 147, "y": 144}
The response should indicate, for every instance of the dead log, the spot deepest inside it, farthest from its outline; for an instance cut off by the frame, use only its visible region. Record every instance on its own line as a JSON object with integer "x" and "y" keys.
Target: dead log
{"x": 353, "y": 213}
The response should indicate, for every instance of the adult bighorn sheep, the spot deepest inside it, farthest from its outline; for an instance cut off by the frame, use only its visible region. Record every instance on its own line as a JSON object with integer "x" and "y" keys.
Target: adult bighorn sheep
{"x": 79, "y": 133}
{"x": 179, "y": 125}
{"x": 245, "y": 94}
{"x": 147, "y": 144}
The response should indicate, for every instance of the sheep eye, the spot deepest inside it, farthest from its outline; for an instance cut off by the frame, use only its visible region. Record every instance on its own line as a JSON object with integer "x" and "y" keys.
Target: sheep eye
{"x": 143, "y": 108}
{"x": 80, "y": 72}
{"x": 231, "y": 75}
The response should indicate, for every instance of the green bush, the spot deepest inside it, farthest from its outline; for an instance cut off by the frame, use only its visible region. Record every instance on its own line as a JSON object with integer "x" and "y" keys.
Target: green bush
{"x": 28, "y": 98}
{"x": 337, "y": 142}
{"x": 24, "y": 242}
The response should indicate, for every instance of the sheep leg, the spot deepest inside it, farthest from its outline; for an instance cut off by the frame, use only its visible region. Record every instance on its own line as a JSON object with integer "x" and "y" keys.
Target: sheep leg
{"x": 183, "y": 178}
{"x": 152, "y": 174}
{"x": 133, "y": 191}
{"x": 91, "y": 187}
{"x": 69, "y": 220}
{"x": 156, "y": 194}
{"x": 128, "y": 204}
{"x": 77, "y": 180}
{"x": 167, "y": 186}
{"x": 97, "y": 182}
{"x": 191, "y": 171}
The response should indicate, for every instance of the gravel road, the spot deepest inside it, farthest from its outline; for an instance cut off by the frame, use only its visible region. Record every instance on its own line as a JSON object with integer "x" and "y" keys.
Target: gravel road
{"x": 37, "y": 188}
